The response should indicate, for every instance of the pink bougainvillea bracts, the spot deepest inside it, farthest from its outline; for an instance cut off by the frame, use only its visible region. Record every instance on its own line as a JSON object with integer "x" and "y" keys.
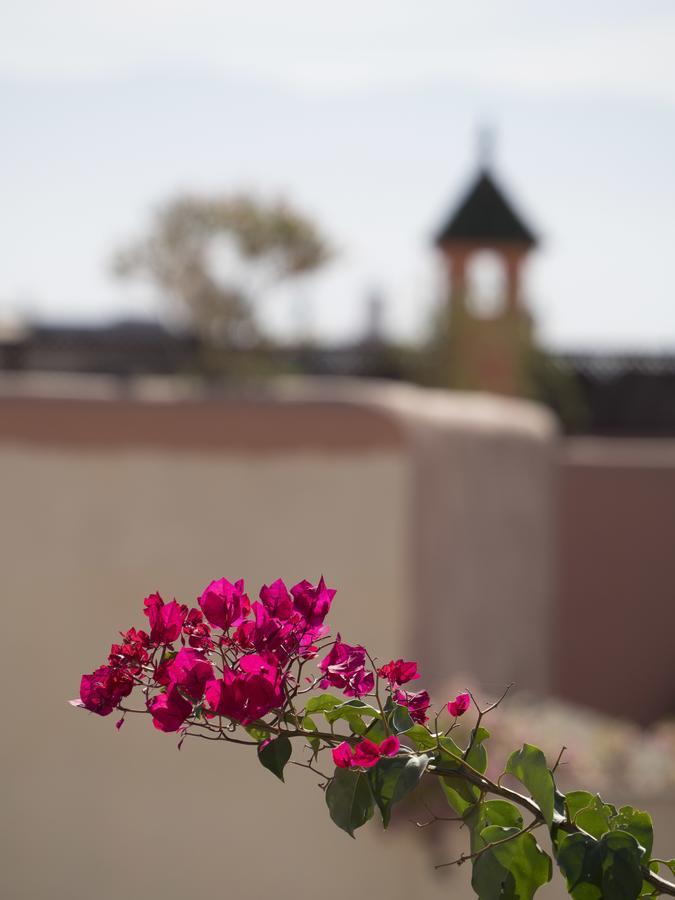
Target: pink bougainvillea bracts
{"x": 365, "y": 754}
{"x": 227, "y": 659}
{"x": 166, "y": 619}
{"x": 267, "y": 673}
{"x": 459, "y": 705}
{"x": 225, "y": 605}
{"x": 190, "y": 671}
{"x": 417, "y": 704}
{"x": 399, "y": 672}
{"x": 103, "y": 689}
{"x": 170, "y": 709}
{"x": 345, "y": 669}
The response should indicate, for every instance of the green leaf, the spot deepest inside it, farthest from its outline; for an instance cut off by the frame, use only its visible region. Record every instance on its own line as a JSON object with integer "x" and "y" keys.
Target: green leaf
{"x": 375, "y": 731}
{"x": 490, "y": 880}
{"x": 275, "y": 754}
{"x": 352, "y": 712}
{"x": 559, "y": 816}
{"x": 258, "y": 734}
{"x": 580, "y": 867}
{"x": 400, "y": 720}
{"x": 349, "y": 800}
{"x": 529, "y": 766}
{"x": 594, "y": 818}
{"x": 393, "y": 779}
{"x": 309, "y": 724}
{"x": 637, "y": 823}
{"x": 608, "y": 869}
{"x": 522, "y": 857}
{"x": 359, "y": 706}
{"x": 622, "y": 873}
{"x": 459, "y": 793}
{"x": 422, "y": 738}
{"x": 575, "y": 801}
{"x": 451, "y": 749}
{"x": 322, "y": 703}
{"x": 477, "y": 756}
{"x": 490, "y": 812}
{"x": 353, "y": 719}
{"x": 647, "y": 888}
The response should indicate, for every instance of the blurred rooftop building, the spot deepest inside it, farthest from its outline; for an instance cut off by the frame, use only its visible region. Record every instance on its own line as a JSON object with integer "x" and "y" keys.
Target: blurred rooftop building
{"x": 484, "y": 340}
{"x": 623, "y": 394}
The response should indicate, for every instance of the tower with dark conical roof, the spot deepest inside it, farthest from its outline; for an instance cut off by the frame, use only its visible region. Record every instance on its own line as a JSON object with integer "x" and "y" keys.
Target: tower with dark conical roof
{"x": 485, "y": 243}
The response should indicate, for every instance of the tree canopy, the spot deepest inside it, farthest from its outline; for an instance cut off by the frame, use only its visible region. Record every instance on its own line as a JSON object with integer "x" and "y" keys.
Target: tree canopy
{"x": 212, "y": 257}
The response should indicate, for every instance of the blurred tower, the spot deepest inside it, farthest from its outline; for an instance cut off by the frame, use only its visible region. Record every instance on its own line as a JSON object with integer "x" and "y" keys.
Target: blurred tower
{"x": 374, "y": 331}
{"x": 484, "y": 243}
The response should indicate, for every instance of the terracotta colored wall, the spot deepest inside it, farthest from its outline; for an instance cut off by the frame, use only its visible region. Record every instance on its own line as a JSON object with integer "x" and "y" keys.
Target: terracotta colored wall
{"x": 616, "y": 608}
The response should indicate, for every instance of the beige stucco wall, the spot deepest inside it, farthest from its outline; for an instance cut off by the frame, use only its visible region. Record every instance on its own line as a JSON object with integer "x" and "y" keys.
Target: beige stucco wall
{"x": 483, "y": 542}
{"x": 447, "y": 518}
{"x": 88, "y": 536}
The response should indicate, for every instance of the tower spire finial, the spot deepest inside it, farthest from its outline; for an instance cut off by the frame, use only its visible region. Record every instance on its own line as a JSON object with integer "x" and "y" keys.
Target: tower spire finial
{"x": 486, "y": 140}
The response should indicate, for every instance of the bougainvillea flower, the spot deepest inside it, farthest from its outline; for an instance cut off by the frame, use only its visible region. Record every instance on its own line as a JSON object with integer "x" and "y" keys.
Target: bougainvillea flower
{"x": 136, "y": 637}
{"x": 166, "y": 619}
{"x": 132, "y": 654}
{"x": 360, "y": 684}
{"x": 276, "y": 599}
{"x": 417, "y": 704}
{"x": 169, "y": 710}
{"x": 343, "y": 756}
{"x": 341, "y": 658}
{"x": 190, "y": 671}
{"x": 344, "y": 668}
{"x": 161, "y": 674}
{"x": 459, "y": 705}
{"x": 399, "y": 672}
{"x": 245, "y": 696}
{"x": 266, "y": 634}
{"x": 260, "y": 664}
{"x": 313, "y": 603}
{"x": 390, "y": 746}
{"x": 306, "y": 635}
{"x": 217, "y": 703}
{"x": 197, "y": 630}
{"x": 365, "y": 754}
{"x": 224, "y": 604}
{"x": 102, "y": 690}
{"x": 278, "y": 627}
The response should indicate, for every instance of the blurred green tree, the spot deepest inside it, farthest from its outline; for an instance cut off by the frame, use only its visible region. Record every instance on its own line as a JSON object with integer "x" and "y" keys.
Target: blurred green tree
{"x": 214, "y": 256}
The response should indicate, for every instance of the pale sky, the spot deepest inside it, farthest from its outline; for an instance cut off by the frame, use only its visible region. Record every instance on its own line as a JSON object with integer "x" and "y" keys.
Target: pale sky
{"x": 365, "y": 115}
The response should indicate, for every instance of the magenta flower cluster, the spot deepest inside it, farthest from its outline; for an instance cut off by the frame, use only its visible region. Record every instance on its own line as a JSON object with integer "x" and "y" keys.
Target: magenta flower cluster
{"x": 228, "y": 657}
{"x": 345, "y": 669}
{"x": 228, "y": 662}
{"x": 366, "y": 753}
{"x": 267, "y": 674}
